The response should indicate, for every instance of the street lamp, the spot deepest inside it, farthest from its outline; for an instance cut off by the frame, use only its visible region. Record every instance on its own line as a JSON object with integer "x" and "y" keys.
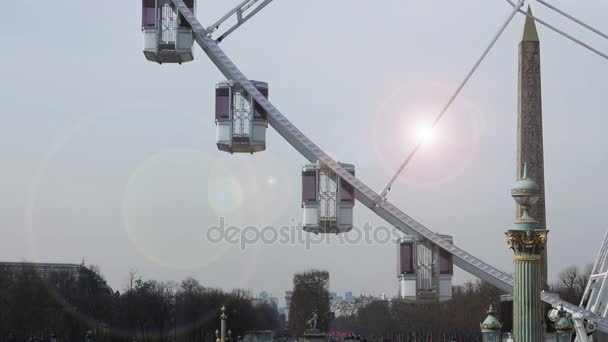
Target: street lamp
{"x": 222, "y": 332}
{"x": 563, "y": 326}
{"x": 490, "y": 328}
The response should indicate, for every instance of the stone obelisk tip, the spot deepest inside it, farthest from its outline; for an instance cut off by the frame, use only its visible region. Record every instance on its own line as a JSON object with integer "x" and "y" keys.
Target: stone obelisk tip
{"x": 530, "y": 32}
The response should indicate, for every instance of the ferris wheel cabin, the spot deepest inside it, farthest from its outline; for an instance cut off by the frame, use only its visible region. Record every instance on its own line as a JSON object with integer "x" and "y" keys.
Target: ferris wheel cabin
{"x": 240, "y": 121}
{"x": 168, "y": 37}
{"x": 327, "y": 200}
{"x": 425, "y": 272}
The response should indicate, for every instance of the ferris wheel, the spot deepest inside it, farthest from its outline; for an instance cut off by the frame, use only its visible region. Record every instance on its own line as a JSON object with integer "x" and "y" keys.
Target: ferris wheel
{"x": 329, "y": 188}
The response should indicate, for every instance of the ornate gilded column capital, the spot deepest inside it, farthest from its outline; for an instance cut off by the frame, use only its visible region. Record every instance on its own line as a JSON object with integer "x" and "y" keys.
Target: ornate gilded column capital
{"x": 527, "y": 242}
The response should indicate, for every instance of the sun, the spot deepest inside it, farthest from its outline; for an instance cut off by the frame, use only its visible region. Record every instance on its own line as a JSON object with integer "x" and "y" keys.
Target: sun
{"x": 424, "y": 133}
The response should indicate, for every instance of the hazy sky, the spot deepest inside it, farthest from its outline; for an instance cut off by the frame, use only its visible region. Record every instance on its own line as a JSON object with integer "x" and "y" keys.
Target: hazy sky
{"x": 111, "y": 158}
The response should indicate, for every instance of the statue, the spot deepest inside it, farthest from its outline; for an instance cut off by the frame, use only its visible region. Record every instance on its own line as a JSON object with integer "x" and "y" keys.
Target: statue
{"x": 313, "y": 334}
{"x": 312, "y": 323}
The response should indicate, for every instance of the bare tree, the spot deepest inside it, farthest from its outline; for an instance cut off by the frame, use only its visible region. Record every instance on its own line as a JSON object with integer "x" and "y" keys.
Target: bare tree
{"x": 571, "y": 283}
{"x": 131, "y": 278}
{"x": 568, "y": 277}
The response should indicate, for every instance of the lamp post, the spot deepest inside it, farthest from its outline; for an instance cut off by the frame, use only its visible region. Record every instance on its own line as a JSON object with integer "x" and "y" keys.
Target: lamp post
{"x": 528, "y": 243}
{"x": 490, "y": 328}
{"x": 223, "y": 318}
{"x": 563, "y": 326}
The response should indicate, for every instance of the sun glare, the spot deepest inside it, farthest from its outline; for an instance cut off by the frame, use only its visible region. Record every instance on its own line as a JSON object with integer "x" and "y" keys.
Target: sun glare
{"x": 425, "y": 133}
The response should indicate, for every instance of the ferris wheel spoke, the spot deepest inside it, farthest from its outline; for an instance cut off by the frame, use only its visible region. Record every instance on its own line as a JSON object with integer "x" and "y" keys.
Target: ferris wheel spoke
{"x": 242, "y": 13}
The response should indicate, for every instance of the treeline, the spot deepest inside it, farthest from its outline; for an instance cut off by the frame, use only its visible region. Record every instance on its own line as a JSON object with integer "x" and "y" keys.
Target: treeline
{"x": 70, "y": 307}
{"x": 396, "y": 320}
{"x": 457, "y": 319}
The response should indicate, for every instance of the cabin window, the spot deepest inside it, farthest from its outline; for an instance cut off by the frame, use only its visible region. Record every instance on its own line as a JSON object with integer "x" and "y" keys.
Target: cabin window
{"x": 445, "y": 262}
{"x": 148, "y": 14}
{"x": 407, "y": 258}
{"x": 309, "y": 186}
{"x": 222, "y": 103}
{"x": 347, "y": 192}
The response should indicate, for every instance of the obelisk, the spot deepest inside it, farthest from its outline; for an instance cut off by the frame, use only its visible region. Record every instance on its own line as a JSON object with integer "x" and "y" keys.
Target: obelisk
{"x": 530, "y": 125}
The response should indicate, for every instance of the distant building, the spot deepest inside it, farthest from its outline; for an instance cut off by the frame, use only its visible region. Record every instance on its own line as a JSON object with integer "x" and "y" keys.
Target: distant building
{"x": 333, "y": 295}
{"x": 348, "y": 296}
{"x": 266, "y": 298}
{"x": 274, "y": 301}
{"x": 47, "y": 270}
{"x": 343, "y": 307}
{"x": 288, "y": 295}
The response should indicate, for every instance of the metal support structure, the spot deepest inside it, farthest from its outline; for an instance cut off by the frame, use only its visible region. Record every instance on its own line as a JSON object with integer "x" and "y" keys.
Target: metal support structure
{"x": 595, "y": 297}
{"x": 580, "y": 329}
{"x": 580, "y": 22}
{"x": 243, "y": 12}
{"x": 363, "y": 193}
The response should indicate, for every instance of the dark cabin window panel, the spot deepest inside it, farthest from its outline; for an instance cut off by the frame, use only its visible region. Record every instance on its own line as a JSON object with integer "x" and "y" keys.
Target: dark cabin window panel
{"x": 407, "y": 258}
{"x": 309, "y": 186}
{"x": 148, "y": 13}
{"x": 183, "y": 23}
{"x": 445, "y": 263}
{"x": 347, "y": 192}
{"x": 222, "y": 103}
{"x": 148, "y": 3}
{"x": 259, "y": 113}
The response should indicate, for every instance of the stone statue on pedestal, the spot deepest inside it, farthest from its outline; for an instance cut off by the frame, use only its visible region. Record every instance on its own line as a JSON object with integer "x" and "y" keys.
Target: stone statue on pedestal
{"x": 312, "y": 322}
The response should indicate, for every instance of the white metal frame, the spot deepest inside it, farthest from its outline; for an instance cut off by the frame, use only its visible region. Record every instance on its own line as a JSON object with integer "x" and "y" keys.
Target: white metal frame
{"x": 595, "y": 297}
{"x": 243, "y": 12}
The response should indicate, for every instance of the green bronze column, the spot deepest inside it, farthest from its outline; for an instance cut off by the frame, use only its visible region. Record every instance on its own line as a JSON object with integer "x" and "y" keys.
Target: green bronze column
{"x": 528, "y": 242}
